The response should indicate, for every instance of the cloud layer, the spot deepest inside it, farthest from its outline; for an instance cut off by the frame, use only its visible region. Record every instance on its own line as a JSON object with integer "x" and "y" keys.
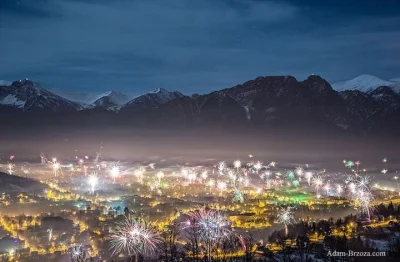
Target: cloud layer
{"x": 194, "y": 46}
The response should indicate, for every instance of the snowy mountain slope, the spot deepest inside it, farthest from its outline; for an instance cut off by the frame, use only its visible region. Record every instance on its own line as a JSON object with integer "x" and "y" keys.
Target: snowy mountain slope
{"x": 366, "y": 83}
{"x": 27, "y": 96}
{"x": 279, "y": 101}
{"x": 268, "y": 102}
{"x": 111, "y": 100}
{"x": 150, "y": 100}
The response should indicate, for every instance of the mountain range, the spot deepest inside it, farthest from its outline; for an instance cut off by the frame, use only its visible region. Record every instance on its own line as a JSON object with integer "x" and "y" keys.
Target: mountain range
{"x": 364, "y": 104}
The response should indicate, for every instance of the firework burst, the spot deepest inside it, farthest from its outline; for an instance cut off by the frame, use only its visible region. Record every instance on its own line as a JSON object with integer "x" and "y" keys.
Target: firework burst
{"x": 339, "y": 189}
{"x": 309, "y": 176}
{"x": 363, "y": 194}
{"x": 237, "y": 164}
{"x": 139, "y": 173}
{"x": 134, "y": 237}
{"x": 114, "y": 172}
{"x": 212, "y": 227}
{"x": 285, "y": 217}
{"x": 78, "y": 254}
{"x": 257, "y": 166}
{"x": 10, "y": 168}
{"x": 237, "y": 196}
{"x": 93, "y": 180}
{"x": 290, "y": 175}
{"x": 50, "y": 234}
{"x": 221, "y": 166}
{"x": 221, "y": 185}
{"x": 349, "y": 164}
{"x": 317, "y": 182}
{"x": 160, "y": 175}
{"x": 299, "y": 171}
{"x": 56, "y": 166}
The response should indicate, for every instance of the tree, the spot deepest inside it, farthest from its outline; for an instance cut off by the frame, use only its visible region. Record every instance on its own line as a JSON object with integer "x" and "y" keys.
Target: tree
{"x": 303, "y": 245}
{"x": 169, "y": 237}
{"x": 126, "y": 211}
{"x": 394, "y": 247}
{"x": 249, "y": 248}
{"x": 193, "y": 242}
{"x": 390, "y": 209}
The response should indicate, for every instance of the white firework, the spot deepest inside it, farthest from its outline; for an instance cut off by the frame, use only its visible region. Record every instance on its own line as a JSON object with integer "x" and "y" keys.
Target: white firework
{"x": 327, "y": 187}
{"x": 160, "y": 175}
{"x": 139, "y": 173}
{"x": 339, "y": 189}
{"x": 257, "y": 166}
{"x": 56, "y": 167}
{"x": 114, "y": 172}
{"x": 317, "y": 182}
{"x": 246, "y": 181}
{"x": 352, "y": 187}
{"x": 10, "y": 168}
{"x": 364, "y": 197}
{"x": 50, "y": 235}
{"x": 93, "y": 180}
{"x": 134, "y": 237}
{"x": 192, "y": 176}
{"x": 309, "y": 176}
{"x": 299, "y": 171}
{"x": 363, "y": 182}
{"x": 359, "y": 189}
{"x": 211, "y": 226}
{"x": 78, "y": 254}
{"x": 221, "y": 185}
{"x": 204, "y": 175}
{"x": 285, "y": 217}
{"x": 221, "y": 166}
{"x": 237, "y": 164}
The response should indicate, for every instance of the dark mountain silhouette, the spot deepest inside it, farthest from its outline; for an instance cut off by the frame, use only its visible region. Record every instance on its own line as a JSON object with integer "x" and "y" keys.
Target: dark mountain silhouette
{"x": 265, "y": 102}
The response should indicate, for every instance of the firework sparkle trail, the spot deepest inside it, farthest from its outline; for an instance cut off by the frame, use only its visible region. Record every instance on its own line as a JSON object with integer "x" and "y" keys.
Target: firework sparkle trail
{"x": 134, "y": 237}
{"x": 285, "y": 217}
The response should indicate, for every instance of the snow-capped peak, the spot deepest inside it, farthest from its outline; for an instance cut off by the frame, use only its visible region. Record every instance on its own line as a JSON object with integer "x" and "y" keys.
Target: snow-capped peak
{"x": 366, "y": 83}
{"x": 150, "y": 100}
{"x": 115, "y": 97}
{"x": 110, "y": 100}
{"x": 85, "y": 99}
{"x": 29, "y": 96}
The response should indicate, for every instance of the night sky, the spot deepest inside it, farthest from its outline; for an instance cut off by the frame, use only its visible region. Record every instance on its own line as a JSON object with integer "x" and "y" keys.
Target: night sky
{"x": 135, "y": 46}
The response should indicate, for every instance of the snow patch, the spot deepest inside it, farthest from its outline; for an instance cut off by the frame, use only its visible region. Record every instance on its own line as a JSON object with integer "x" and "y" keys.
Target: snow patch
{"x": 13, "y": 101}
{"x": 366, "y": 83}
{"x": 87, "y": 100}
{"x": 248, "y": 114}
{"x": 343, "y": 126}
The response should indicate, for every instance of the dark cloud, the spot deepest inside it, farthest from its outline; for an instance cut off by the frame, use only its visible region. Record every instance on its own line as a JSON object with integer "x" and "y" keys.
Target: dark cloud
{"x": 193, "y": 46}
{"x": 27, "y": 9}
